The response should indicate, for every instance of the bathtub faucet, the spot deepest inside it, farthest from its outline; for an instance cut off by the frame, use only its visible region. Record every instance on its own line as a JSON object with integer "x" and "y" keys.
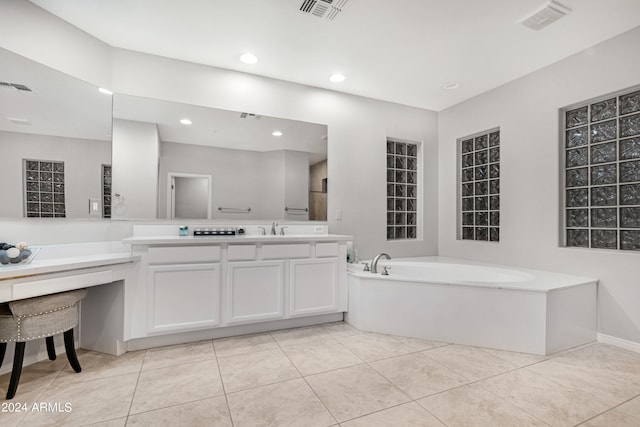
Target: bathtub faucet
{"x": 374, "y": 262}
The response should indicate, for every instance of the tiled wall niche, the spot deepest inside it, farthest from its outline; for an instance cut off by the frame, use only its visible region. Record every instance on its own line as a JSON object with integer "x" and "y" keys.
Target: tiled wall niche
{"x": 479, "y": 189}
{"x": 43, "y": 189}
{"x": 601, "y": 166}
{"x": 403, "y": 185}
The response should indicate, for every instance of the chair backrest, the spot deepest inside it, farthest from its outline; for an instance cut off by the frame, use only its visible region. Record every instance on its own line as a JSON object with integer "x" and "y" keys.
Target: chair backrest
{"x": 41, "y": 317}
{"x": 46, "y": 303}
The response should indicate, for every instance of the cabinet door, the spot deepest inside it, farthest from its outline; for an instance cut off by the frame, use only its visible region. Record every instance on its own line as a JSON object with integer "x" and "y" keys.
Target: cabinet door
{"x": 254, "y": 291}
{"x": 183, "y": 297}
{"x": 313, "y": 286}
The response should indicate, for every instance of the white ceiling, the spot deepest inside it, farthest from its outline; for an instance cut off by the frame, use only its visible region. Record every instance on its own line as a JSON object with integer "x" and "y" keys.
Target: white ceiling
{"x": 396, "y": 50}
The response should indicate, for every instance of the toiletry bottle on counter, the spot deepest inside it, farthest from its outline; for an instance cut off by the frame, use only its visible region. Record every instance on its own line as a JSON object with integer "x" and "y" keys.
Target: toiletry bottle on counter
{"x": 350, "y": 256}
{"x": 184, "y": 230}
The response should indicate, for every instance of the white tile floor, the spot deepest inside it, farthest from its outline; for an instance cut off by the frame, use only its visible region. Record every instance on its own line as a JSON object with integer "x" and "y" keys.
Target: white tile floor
{"x": 331, "y": 375}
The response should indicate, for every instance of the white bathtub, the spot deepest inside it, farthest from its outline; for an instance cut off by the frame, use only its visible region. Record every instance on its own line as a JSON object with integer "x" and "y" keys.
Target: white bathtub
{"x": 449, "y": 300}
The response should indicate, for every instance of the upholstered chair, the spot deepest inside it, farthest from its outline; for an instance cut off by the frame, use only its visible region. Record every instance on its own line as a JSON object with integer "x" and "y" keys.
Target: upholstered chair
{"x": 40, "y": 317}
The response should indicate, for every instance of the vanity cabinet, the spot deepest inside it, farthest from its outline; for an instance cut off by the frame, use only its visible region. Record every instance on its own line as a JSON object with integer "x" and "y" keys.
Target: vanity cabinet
{"x": 183, "y": 288}
{"x": 183, "y": 297}
{"x": 255, "y": 291}
{"x": 313, "y": 286}
{"x": 188, "y": 287}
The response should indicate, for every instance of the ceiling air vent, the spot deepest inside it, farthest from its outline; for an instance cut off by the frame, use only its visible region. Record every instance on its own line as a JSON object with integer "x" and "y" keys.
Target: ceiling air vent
{"x": 326, "y": 9}
{"x": 545, "y": 16}
{"x": 250, "y": 116}
{"x": 15, "y": 87}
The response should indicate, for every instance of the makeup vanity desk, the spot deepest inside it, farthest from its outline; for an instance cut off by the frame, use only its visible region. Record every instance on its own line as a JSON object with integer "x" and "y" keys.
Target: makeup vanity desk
{"x": 62, "y": 268}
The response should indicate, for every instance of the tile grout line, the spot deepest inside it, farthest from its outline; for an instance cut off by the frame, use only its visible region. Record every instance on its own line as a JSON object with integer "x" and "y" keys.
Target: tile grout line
{"x": 612, "y": 408}
{"x": 471, "y": 382}
{"x": 135, "y": 389}
{"x": 507, "y": 401}
{"x": 191, "y": 401}
{"x": 44, "y": 390}
{"x": 224, "y": 390}
{"x": 326, "y": 335}
{"x": 306, "y": 382}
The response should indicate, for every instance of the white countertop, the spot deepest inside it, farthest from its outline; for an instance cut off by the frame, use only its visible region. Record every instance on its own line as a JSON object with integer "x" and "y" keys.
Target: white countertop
{"x": 212, "y": 240}
{"x": 59, "y": 264}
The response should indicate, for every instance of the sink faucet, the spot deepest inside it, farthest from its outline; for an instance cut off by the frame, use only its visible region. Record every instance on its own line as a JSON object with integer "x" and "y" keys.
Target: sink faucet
{"x": 273, "y": 228}
{"x": 374, "y": 261}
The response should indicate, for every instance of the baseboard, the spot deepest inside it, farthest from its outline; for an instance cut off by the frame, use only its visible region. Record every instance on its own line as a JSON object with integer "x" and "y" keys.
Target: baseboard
{"x": 618, "y": 342}
{"x": 229, "y": 331}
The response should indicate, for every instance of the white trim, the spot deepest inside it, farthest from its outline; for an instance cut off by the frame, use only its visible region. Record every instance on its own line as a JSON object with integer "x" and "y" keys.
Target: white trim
{"x": 230, "y": 331}
{"x": 171, "y": 194}
{"x": 618, "y": 342}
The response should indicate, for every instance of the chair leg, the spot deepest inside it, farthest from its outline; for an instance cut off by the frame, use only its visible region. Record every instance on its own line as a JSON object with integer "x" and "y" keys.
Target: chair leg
{"x": 71, "y": 350}
{"x": 51, "y": 348}
{"x": 16, "y": 371}
{"x": 3, "y": 349}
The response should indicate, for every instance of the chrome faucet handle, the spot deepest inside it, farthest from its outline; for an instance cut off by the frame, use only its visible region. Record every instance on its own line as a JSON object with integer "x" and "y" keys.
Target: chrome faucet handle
{"x": 385, "y": 270}
{"x": 282, "y": 230}
{"x": 263, "y": 230}
{"x": 366, "y": 267}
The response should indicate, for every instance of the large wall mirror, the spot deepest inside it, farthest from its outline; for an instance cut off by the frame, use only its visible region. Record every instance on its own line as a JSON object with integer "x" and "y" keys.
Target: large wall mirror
{"x": 55, "y": 143}
{"x": 179, "y": 161}
{"x": 67, "y": 152}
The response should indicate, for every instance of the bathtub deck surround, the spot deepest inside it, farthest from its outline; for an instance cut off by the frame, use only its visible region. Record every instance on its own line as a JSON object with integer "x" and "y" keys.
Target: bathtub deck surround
{"x": 491, "y": 306}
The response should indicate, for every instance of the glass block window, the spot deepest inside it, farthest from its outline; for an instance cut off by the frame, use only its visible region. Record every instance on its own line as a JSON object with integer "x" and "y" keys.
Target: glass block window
{"x": 601, "y": 191}
{"x": 44, "y": 189}
{"x": 479, "y": 191}
{"x": 402, "y": 189}
{"x": 106, "y": 191}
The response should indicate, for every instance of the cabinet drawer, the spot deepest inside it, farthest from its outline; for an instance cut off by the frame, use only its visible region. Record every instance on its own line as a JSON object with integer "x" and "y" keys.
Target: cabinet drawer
{"x": 241, "y": 252}
{"x": 184, "y": 254}
{"x": 326, "y": 250}
{"x": 286, "y": 251}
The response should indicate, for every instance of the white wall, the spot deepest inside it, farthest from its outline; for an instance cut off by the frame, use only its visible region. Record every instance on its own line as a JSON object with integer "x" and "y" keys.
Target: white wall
{"x": 83, "y": 160}
{"x": 296, "y": 184}
{"x": 272, "y": 184}
{"x": 527, "y": 112}
{"x": 136, "y": 155}
{"x": 235, "y": 173}
{"x": 357, "y": 127}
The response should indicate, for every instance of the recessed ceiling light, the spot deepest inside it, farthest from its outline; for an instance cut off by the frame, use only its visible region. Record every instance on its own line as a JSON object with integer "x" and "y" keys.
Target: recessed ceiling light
{"x": 450, "y": 86}
{"x": 248, "y": 58}
{"x": 105, "y": 91}
{"x": 276, "y": 133}
{"x": 336, "y": 78}
{"x": 185, "y": 121}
